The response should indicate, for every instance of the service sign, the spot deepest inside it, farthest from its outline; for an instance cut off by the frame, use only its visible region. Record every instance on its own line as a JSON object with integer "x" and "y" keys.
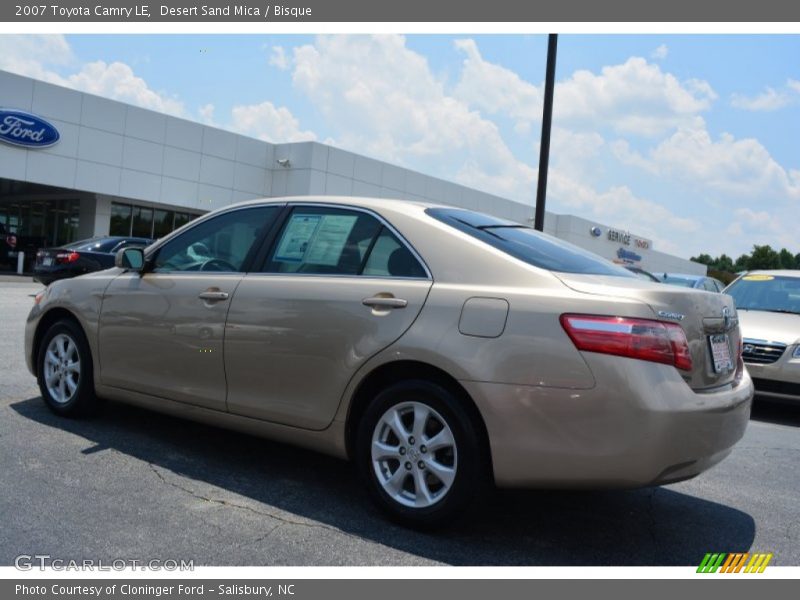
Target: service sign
{"x": 21, "y": 128}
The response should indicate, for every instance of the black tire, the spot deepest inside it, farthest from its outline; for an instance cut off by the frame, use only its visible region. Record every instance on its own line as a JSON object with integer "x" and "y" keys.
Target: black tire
{"x": 82, "y": 401}
{"x": 472, "y": 472}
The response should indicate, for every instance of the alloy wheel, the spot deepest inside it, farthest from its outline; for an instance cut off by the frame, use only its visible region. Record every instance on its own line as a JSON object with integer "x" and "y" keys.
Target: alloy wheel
{"x": 62, "y": 365}
{"x": 414, "y": 454}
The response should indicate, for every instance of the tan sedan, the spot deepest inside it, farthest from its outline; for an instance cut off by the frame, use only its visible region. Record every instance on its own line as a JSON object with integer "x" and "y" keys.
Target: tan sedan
{"x": 440, "y": 349}
{"x": 769, "y": 309}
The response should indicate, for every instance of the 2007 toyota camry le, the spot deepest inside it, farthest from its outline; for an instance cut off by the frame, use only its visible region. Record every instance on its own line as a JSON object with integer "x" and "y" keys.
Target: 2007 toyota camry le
{"x": 440, "y": 349}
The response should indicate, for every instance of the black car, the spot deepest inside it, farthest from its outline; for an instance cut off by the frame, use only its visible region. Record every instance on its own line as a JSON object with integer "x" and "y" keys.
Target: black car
{"x": 81, "y": 257}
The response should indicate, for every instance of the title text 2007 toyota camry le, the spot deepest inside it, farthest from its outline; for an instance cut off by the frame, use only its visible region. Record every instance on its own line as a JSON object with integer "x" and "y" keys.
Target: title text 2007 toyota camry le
{"x": 438, "y": 348}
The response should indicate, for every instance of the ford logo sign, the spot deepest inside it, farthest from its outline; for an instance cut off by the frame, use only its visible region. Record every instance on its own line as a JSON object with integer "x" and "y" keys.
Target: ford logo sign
{"x": 20, "y": 128}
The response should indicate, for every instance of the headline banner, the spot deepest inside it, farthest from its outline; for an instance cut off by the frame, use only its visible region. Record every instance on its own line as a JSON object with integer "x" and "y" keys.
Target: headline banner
{"x": 465, "y": 11}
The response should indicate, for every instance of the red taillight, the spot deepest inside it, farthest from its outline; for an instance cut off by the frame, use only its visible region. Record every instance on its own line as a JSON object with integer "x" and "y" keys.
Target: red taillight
{"x": 644, "y": 339}
{"x": 67, "y": 257}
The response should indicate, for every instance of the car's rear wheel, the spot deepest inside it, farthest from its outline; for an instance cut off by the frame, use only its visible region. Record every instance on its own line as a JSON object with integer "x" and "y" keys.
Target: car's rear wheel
{"x": 420, "y": 454}
{"x": 65, "y": 371}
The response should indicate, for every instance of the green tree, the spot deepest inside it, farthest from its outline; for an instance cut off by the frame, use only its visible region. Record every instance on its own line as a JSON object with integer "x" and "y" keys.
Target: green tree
{"x": 724, "y": 263}
{"x": 742, "y": 263}
{"x": 796, "y": 261}
{"x": 764, "y": 257}
{"x": 704, "y": 259}
{"x": 786, "y": 259}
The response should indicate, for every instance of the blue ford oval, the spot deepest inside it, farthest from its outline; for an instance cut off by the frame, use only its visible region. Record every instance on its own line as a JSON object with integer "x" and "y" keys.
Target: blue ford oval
{"x": 21, "y": 128}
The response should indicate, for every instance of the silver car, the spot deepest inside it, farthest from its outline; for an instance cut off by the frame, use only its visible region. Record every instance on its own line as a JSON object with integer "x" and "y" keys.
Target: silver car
{"x": 440, "y": 349}
{"x": 769, "y": 313}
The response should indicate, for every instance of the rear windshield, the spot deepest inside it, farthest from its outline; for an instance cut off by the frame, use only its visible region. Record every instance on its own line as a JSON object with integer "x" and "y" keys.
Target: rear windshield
{"x": 682, "y": 281}
{"x": 527, "y": 244}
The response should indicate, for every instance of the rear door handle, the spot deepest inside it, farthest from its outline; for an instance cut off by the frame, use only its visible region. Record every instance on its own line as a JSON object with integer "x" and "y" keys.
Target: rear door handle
{"x": 384, "y": 302}
{"x": 213, "y": 295}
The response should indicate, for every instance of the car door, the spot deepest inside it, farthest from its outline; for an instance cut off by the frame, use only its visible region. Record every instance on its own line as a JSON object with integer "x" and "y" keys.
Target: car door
{"x": 337, "y": 286}
{"x": 161, "y": 333}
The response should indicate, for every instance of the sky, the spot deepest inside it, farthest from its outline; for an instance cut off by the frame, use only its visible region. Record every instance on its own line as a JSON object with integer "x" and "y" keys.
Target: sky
{"x": 690, "y": 140}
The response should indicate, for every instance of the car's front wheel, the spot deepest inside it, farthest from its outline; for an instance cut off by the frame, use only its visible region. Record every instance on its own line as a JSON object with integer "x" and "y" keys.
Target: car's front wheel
{"x": 65, "y": 371}
{"x": 419, "y": 452}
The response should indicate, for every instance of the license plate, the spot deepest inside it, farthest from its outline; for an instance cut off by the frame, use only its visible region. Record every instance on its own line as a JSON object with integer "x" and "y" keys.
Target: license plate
{"x": 47, "y": 261}
{"x": 721, "y": 352}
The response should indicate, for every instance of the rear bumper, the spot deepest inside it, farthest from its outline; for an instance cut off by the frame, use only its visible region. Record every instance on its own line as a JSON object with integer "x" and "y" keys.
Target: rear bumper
{"x": 640, "y": 425}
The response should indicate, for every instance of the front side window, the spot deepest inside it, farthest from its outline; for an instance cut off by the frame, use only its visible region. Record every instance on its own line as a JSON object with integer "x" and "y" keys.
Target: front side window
{"x": 221, "y": 244}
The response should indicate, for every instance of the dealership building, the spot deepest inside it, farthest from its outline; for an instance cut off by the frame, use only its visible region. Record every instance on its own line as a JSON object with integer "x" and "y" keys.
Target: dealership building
{"x": 74, "y": 166}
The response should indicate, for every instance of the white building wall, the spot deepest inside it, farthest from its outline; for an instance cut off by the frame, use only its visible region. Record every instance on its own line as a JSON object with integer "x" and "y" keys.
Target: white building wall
{"x": 116, "y": 151}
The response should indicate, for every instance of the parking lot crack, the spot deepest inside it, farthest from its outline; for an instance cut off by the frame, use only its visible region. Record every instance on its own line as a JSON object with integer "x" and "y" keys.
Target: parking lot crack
{"x": 226, "y": 503}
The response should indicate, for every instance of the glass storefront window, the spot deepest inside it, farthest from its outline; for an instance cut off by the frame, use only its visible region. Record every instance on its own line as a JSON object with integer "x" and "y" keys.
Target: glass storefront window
{"x": 162, "y": 224}
{"x": 120, "y": 219}
{"x": 182, "y": 219}
{"x": 142, "y": 222}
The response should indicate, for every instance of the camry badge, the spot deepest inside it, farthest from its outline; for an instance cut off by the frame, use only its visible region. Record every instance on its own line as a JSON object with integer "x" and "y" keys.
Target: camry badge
{"x": 671, "y": 315}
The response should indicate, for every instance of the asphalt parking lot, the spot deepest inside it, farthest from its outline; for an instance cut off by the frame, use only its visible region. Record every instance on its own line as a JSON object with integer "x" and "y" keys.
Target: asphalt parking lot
{"x": 137, "y": 485}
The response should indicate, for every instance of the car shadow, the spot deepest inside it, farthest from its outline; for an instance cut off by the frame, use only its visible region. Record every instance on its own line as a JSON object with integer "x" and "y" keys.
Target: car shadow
{"x": 773, "y": 411}
{"x": 656, "y": 526}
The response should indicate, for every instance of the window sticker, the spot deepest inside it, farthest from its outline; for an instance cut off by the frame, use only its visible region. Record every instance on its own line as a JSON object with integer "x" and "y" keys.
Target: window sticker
{"x": 329, "y": 240}
{"x": 297, "y": 238}
{"x": 758, "y": 277}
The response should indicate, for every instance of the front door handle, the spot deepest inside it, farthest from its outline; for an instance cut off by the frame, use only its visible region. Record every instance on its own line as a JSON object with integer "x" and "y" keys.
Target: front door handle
{"x": 213, "y": 295}
{"x": 384, "y": 302}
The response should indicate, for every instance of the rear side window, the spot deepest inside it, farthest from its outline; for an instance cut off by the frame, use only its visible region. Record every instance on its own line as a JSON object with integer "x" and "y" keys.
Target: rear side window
{"x": 390, "y": 258}
{"x": 527, "y": 244}
{"x": 333, "y": 241}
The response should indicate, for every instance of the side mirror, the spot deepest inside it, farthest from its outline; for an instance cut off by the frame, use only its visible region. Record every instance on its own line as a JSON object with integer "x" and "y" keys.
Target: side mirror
{"x": 131, "y": 259}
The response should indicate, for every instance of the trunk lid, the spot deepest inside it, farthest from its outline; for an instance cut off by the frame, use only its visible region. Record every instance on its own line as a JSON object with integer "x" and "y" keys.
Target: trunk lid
{"x": 702, "y": 315}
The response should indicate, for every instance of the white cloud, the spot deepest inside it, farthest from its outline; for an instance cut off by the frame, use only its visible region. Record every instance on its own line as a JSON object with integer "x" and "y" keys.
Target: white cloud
{"x": 635, "y": 97}
{"x": 770, "y": 99}
{"x": 383, "y": 100}
{"x": 268, "y": 122}
{"x": 117, "y": 80}
{"x": 29, "y": 54}
{"x": 206, "y": 113}
{"x": 279, "y": 59}
{"x": 43, "y": 57}
{"x": 660, "y": 53}
{"x": 619, "y": 206}
{"x": 760, "y": 227}
{"x": 495, "y": 89}
{"x": 741, "y": 167}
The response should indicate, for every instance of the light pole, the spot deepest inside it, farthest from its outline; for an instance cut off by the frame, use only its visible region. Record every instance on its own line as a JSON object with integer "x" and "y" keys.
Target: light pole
{"x": 547, "y": 119}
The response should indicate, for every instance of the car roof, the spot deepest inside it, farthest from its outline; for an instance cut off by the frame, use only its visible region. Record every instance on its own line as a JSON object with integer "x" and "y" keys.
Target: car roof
{"x": 686, "y": 276}
{"x": 359, "y": 201}
{"x": 776, "y": 272}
